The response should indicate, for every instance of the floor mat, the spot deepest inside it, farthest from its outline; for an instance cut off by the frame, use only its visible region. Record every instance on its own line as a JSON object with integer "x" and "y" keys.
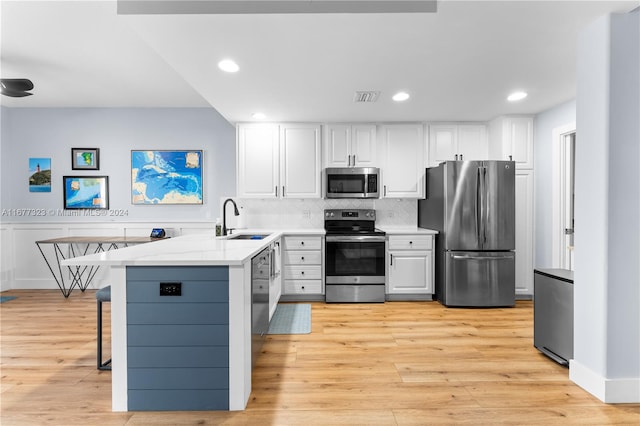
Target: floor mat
{"x": 291, "y": 318}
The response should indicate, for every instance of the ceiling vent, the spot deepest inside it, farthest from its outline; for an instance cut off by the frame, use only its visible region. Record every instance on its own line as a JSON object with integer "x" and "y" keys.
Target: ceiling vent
{"x": 368, "y": 96}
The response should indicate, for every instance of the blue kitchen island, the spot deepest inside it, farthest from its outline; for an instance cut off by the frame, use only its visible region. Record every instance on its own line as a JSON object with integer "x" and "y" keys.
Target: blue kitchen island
{"x": 181, "y": 322}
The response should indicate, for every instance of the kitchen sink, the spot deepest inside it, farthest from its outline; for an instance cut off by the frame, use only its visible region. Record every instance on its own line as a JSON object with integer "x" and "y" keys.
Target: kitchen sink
{"x": 248, "y": 237}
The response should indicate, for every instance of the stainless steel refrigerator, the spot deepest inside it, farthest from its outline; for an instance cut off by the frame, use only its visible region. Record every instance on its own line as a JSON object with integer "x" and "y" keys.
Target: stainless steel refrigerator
{"x": 472, "y": 206}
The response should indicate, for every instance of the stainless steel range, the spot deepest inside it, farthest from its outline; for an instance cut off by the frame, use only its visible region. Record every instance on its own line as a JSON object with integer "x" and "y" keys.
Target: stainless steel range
{"x": 354, "y": 257}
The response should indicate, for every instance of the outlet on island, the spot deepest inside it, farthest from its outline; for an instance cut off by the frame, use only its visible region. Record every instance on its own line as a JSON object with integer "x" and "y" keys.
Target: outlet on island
{"x": 170, "y": 289}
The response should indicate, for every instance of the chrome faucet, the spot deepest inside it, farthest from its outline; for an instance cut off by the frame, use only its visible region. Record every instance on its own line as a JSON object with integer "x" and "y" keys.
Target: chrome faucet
{"x": 224, "y": 214}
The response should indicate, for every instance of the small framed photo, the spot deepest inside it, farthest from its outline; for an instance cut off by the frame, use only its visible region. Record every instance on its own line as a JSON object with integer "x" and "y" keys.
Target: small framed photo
{"x": 86, "y": 192}
{"x": 85, "y": 158}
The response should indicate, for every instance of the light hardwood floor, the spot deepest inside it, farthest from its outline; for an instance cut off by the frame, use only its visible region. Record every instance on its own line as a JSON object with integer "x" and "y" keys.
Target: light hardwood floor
{"x": 398, "y": 363}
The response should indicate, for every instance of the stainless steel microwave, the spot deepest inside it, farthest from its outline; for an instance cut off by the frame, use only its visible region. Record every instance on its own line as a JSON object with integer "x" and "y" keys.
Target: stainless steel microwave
{"x": 352, "y": 182}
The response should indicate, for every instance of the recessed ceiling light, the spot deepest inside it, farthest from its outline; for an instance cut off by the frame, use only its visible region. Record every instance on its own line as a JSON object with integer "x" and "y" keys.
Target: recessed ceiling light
{"x": 258, "y": 116}
{"x": 516, "y": 96}
{"x": 228, "y": 65}
{"x": 400, "y": 96}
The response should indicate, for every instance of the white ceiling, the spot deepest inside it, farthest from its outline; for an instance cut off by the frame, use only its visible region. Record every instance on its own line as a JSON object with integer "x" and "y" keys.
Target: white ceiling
{"x": 458, "y": 64}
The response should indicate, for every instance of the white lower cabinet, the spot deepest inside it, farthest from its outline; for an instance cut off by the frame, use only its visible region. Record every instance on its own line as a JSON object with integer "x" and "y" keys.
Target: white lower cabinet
{"x": 410, "y": 265}
{"x": 302, "y": 257}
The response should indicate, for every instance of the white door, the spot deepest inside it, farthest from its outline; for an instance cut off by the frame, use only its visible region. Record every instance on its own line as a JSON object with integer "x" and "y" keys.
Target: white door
{"x": 519, "y": 140}
{"x": 363, "y": 145}
{"x": 337, "y": 141}
{"x": 404, "y": 168}
{"x": 258, "y": 169}
{"x": 443, "y": 143}
{"x": 410, "y": 272}
{"x": 472, "y": 142}
{"x": 524, "y": 232}
{"x": 300, "y": 149}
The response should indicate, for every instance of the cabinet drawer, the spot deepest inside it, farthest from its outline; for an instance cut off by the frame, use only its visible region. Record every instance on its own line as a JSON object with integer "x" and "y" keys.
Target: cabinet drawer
{"x": 303, "y": 243}
{"x": 309, "y": 272}
{"x": 303, "y": 286}
{"x": 302, "y": 257}
{"x": 410, "y": 242}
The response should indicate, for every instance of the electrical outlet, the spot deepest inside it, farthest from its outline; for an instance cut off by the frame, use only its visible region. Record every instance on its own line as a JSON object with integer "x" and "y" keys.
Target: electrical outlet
{"x": 170, "y": 289}
{"x": 306, "y": 214}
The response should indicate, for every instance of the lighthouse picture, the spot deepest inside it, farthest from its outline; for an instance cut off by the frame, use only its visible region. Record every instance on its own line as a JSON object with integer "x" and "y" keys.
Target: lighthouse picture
{"x": 39, "y": 174}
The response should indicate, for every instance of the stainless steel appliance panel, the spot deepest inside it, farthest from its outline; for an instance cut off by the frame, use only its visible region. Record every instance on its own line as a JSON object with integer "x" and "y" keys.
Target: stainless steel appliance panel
{"x": 463, "y": 212}
{"x": 498, "y": 205}
{"x": 260, "y": 276}
{"x": 354, "y": 293}
{"x": 479, "y": 279}
{"x": 352, "y": 182}
{"x": 553, "y": 313}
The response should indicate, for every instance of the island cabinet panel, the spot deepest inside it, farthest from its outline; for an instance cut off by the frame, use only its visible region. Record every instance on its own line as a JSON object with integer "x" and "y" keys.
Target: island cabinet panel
{"x": 178, "y": 344}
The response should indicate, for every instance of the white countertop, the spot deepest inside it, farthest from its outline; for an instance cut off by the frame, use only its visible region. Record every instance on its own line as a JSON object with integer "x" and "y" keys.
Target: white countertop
{"x": 406, "y": 230}
{"x": 205, "y": 249}
{"x": 189, "y": 250}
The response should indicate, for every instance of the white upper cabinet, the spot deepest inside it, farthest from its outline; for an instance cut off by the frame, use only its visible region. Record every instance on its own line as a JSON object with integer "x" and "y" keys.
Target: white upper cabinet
{"x": 511, "y": 138}
{"x": 457, "y": 142}
{"x": 349, "y": 145}
{"x": 258, "y": 160}
{"x": 279, "y": 161}
{"x": 300, "y": 159}
{"x": 403, "y": 163}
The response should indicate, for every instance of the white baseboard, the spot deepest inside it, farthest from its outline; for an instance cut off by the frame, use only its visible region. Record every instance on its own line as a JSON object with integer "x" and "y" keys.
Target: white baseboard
{"x": 610, "y": 391}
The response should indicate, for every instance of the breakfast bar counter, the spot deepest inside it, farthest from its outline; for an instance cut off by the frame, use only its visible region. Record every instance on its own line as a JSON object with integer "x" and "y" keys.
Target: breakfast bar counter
{"x": 181, "y": 322}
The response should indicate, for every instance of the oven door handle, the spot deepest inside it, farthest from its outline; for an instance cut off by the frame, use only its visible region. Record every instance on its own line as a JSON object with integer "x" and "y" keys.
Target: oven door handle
{"x": 354, "y": 238}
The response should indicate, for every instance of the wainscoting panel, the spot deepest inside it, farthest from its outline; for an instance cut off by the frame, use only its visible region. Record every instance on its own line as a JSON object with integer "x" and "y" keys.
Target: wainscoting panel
{"x": 22, "y": 264}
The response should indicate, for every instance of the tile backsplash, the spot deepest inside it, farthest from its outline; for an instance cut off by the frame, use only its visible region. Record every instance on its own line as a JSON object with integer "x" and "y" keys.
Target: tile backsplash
{"x": 308, "y": 213}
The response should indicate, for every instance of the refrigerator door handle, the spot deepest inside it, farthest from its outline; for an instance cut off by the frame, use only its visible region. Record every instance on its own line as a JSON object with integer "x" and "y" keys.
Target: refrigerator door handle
{"x": 468, "y": 257}
{"x": 478, "y": 208}
{"x": 484, "y": 206}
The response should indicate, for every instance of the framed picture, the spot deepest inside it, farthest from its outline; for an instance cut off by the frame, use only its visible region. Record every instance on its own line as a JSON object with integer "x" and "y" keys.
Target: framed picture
{"x": 39, "y": 174}
{"x": 86, "y": 192}
{"x": 85, "y": 158}
{"x": 166, "y": 177}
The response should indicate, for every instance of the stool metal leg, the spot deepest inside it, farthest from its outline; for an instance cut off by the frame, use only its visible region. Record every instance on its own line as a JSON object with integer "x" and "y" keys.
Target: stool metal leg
{"x": 107, "y": 364}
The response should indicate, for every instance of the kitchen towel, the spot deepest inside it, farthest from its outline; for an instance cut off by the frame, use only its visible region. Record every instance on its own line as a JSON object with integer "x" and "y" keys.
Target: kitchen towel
{"x": 291, "y": 318}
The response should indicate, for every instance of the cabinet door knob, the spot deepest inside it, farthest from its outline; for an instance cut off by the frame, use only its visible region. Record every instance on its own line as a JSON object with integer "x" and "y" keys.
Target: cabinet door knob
{"x": 410, "y": 242}
{"x": 302, "y": 243}
{"x": 302, "y": 272}
{"x": 302, "y": 258}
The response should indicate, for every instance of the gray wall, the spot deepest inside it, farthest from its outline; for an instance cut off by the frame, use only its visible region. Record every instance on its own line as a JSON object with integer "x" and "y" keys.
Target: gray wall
{"x": 52, "y": 132}
{"x": 544, "y": 124}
